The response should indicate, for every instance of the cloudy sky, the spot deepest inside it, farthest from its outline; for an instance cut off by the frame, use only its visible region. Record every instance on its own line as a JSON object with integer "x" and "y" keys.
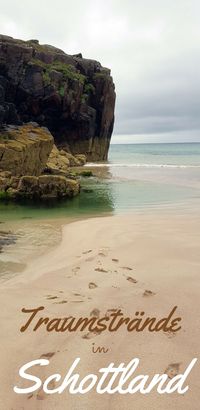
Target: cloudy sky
{"x": 151, "y": 46}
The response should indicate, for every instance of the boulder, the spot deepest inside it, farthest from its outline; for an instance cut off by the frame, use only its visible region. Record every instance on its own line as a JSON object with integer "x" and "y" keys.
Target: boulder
{"x": 52, "y": 186}
{"x": 45, "y": 187}
{"x": 81, "y": 158}
{"x": 73, "y": 161}
{"x": 24, "y": 150}
{"x": 57, "y": 163}
{"x": 27, "y": 187}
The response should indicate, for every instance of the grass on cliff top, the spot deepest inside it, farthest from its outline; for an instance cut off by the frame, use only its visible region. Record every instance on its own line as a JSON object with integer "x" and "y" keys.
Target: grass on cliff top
{"x": 68, "y": 73}
{"x": 67, "y": 70}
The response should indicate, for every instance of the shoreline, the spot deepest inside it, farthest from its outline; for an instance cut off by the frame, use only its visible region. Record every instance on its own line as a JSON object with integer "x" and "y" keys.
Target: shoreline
{"x": 133, "y": 262}
{"x": 44, "y": 235}
{"x": 42, "y": 239}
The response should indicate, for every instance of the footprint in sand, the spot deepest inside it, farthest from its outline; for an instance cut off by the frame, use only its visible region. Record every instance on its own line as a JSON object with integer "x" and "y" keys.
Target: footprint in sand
{"x": 75, "y": 270}
{"x": 95, "y": 312}
{"x": 103, "y": 252}
{"x": 149, "y": 293}
{"x": 61, "y": 302}
{"x": 85, "y": 252}
{"x": 90, "y": 335}
{"x": 170, "y": 334}
{"x": 101, "y": 270}
{"x": 92, "y": 285}
{"x": 41, "y": 395}
{"x": 130, "y": 279}
{"x": 90, "y": 259}
{"x": 126, "y": 267}
{"x": 52, "y": 297}
{"x": 87, "y": 336}
{"x": 172, "y": 370}
{"x": 47, "y": 355}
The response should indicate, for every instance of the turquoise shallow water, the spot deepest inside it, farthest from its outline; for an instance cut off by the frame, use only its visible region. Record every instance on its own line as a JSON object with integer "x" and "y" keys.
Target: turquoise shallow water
{"x": 137, "y": 176}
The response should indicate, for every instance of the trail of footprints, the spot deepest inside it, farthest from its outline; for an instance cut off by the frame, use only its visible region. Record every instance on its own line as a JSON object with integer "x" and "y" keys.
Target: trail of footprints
{"x": 103, "y": 253}
{"x": 80, "y": 298}
{"x": 171, "y": 370}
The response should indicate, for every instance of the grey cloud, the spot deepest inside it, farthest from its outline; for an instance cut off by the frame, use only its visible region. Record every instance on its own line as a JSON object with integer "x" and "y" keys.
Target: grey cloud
{"x": 152, "y": 48}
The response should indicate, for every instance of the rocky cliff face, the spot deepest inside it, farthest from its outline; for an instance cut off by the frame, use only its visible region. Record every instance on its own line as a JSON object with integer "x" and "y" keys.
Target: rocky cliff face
{"x": 73, "y": 97}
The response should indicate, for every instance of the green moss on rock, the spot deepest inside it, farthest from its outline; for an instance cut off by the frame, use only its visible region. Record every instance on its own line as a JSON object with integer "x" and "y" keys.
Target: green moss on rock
{"x": 5, "y": 195}
{"x": 62, "y": 91}
{"x": 89, "y": 88}
{"x": 67, "y": 70}
{"x": 86, "y": 173}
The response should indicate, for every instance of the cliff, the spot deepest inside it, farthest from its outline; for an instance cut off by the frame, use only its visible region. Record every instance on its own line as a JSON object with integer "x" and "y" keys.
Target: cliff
{"x": 73, "y": 97}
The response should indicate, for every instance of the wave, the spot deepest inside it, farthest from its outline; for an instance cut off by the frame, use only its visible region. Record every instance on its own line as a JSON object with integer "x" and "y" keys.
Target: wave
{"x": 140, "y": 165}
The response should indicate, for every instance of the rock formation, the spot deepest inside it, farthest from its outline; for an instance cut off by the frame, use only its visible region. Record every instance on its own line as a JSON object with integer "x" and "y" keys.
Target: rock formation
{"x": 59, "y": 161}
{"x": 73, "y": 97}
{"x": 24, "y": 150}
{"x": 43, "y": 187}
{"x": 26, "y": 153}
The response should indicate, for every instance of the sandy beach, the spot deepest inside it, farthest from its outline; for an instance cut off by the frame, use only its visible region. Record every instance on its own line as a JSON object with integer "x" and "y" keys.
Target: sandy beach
{"x": 141, "y": 262}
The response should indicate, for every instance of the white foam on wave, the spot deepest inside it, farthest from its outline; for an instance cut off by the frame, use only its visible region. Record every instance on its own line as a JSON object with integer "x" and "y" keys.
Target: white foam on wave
{"x": 140, "y": 165}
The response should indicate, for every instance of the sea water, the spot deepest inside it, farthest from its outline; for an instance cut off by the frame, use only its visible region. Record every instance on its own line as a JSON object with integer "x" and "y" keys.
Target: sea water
{"x": 156, "y": 155}
{"x": 136, "y": 176}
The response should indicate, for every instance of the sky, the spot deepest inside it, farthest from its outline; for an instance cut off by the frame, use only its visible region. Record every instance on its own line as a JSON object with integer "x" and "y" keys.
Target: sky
{"x": 151, "y": 46}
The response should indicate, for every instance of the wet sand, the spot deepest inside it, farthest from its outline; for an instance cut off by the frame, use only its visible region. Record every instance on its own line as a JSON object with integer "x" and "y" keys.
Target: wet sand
{"x": 142, "y": 262}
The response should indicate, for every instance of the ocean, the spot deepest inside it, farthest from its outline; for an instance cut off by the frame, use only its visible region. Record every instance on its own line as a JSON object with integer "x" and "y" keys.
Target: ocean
{"x": 136, "y": 176}
{"x": 151, "y": 175}
{"x": 156, "y": 155}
